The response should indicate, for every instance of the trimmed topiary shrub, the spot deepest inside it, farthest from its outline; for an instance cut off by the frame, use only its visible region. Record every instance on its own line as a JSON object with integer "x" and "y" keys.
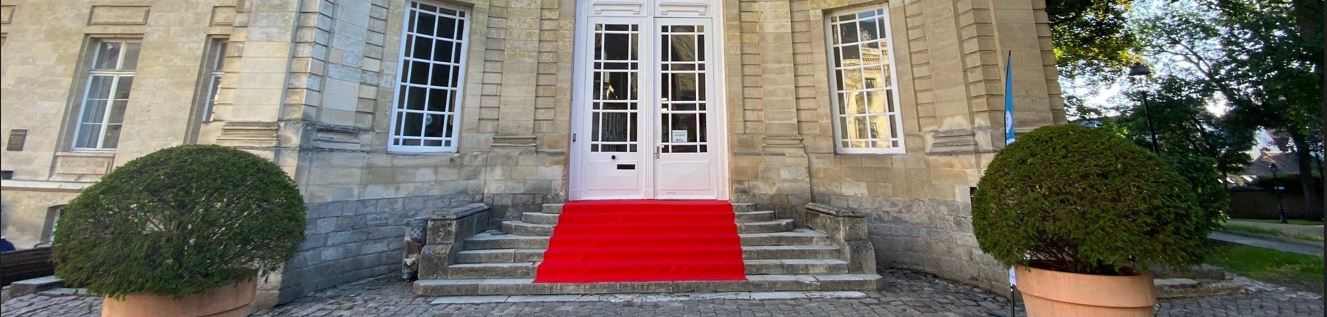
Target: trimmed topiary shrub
{"x": 1075, "y": 199}
{"x": 1204, "y": 180}
{"x": 180, "y": 221}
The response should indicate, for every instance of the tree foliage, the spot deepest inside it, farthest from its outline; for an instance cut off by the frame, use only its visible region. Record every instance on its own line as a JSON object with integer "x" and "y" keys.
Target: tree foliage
{"x": 1184, "y": 126}
{"x": 1255, "y": 56}
{"x": 1082, "y": 200}
{"x": 1092, "y": 37}
{"x": 180, "y": 221}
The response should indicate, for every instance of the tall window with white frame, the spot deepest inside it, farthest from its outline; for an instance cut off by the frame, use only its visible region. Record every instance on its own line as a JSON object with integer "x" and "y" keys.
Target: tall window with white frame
{"x": 212, "y": 63}
{"x": 106, "y": 95}
{"x": 426, "y": 109}
{"x": 866, "y": 111}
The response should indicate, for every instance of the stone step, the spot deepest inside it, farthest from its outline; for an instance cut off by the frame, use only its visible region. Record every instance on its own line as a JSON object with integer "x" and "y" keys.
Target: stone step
{"x": 500, "y": 256}
{"x": 743, "y": 207}
{"x": 796, "y": 266}
{"x": 754, "y": 216}
{"x": 539, "y": 218}
{"x": 1179, "y": 287}
{"x": 780, "y": 225}
{"x": 775, "y": 252}
{"x": 492, "y": 270}
{"x": 754, "y": 283}
{"x": 527, "y": 229}
{"x": 552, "y": 208}
{"x": 494, "y": 239}
{"x": 802, "y": 236}
{"x": 514, "y": 255}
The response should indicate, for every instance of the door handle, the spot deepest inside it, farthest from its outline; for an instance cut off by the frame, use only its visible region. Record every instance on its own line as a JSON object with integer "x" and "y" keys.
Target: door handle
{"x": 612, "y": 157}
{"x": 657, "y": 148}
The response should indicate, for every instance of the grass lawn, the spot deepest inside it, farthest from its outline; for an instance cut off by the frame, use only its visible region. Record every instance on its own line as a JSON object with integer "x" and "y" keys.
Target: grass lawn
{"x": 1298, "y": 271}
{"x": 1261, "y": 230}
{"x": 1291, "y": 221}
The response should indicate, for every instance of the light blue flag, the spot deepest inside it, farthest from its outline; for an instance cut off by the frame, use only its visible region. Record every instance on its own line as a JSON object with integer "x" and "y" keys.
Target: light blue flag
{"x": 1009, "y": 99}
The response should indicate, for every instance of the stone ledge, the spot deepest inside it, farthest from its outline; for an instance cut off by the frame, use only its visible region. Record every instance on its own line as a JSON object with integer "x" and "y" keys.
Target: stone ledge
{"x": 643, "y": 298}
{"x": 460, "y": 212}
{"x": 43, "y": 185}
{"x": 754, "y": 283}
{"x": 34, "y": 285}
{"x": 834, "y": 211}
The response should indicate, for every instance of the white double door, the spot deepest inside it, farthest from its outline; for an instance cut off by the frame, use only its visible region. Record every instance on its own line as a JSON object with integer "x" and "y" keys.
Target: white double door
{"x": 647, "y": 116}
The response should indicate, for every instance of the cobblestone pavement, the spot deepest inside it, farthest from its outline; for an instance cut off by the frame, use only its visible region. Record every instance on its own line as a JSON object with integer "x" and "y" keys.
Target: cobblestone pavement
{"x": 906, "y": 293}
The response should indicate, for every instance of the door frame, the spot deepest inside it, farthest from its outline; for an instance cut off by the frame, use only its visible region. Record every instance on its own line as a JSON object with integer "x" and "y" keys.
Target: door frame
{"x": 579, "y": 139}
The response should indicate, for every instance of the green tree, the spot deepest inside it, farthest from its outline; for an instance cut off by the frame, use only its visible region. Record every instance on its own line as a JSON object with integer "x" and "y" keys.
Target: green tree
{"x": 1255, "y": 56}
{"x": 1184, "y": 126}
{"x": 1092, "y": 37}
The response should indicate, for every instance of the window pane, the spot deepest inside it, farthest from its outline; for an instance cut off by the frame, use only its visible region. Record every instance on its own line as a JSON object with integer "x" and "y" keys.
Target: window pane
{"x": 107, "y": 55}
{"x": 426, "y": 24}
{"x": 614, "y": 127}
{"x": 117, "y": 111}
{"x": 447, "y": 28}
{"x": 442, "y": 51}
{"x": 219, "y": 55}
{"x": 848, "y": 32}
{"x": 413, "y": 123}
{"x": 100, "y": 87}
{"x": 123, "y": 86}
{"x": 439, "y": 100}
{"x": 868, "y": 30}
{"x": 130, "y": 56}
{"x": 112, "y": 137}
{"x": 211, "y": 98}
{"x": 433, "y": 125}
{"x": 617, "y": 46}
{"x": 419, "y": 73}
{"x": 94, "y": 111}
{"x": 415, "y": 98}
{"x": 423, "y": 48}
{"x": 441, "y": 73}
{"x": 87, "y": 136}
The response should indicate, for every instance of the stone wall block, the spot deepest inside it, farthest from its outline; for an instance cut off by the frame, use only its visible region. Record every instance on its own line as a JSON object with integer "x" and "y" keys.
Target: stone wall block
{"x": 435, "y": 260}
{"x": 441, "y": 231}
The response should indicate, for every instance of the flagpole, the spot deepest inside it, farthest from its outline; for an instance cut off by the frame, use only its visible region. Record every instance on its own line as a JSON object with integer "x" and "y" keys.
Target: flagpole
{"x": 1009, "y": 136}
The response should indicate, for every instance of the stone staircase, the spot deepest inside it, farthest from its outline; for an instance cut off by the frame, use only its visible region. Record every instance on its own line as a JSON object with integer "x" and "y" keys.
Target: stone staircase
{"x": 778, "y": 257}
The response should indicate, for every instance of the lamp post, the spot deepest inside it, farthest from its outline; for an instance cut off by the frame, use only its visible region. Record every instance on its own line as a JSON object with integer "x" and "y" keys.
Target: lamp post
{"x": 1138, "y": 70}
{"x": 1276, "y": 187}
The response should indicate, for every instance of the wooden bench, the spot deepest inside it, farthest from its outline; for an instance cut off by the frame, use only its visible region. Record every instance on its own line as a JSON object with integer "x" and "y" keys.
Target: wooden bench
{"x": 25, "y": 264}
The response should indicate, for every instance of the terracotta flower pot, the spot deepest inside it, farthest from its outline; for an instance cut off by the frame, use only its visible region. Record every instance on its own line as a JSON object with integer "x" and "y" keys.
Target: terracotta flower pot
{"x": 225, "y": 301}
{"x": 1052, "y": 293}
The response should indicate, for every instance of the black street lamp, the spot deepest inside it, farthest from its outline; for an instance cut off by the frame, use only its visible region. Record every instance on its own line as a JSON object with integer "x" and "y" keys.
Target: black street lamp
{"x": 1276, "y": 187}
{"x": 1138, "y": 70}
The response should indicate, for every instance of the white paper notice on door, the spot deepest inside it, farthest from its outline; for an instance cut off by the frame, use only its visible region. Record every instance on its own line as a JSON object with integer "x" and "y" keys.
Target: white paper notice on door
{"x": 679, "y": 136}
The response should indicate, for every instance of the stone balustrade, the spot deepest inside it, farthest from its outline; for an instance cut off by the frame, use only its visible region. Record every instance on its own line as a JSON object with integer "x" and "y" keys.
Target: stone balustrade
{"x": 446, "y": 235}
{"x": 847, "y": 229}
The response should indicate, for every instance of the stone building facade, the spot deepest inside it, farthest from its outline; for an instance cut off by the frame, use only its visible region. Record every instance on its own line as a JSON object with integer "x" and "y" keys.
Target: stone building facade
{"x": 331, "y": 91}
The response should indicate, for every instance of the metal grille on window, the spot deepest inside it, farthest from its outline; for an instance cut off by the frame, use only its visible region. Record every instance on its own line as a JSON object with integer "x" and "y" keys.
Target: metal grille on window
{"x": 863, "y": 90}
{"x": 616, "y": 73}
{"x": 682, "y": 85}
{"x": 109, "y": 81}
{"x": 426, "y": 112}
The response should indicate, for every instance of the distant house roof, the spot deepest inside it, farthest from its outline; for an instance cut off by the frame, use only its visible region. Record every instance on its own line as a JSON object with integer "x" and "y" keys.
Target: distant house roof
{"x": 1286, "y": 164}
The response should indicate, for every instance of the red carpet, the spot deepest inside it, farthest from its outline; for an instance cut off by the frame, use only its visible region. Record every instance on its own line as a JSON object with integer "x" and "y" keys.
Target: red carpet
{"x": 643, "y": 240}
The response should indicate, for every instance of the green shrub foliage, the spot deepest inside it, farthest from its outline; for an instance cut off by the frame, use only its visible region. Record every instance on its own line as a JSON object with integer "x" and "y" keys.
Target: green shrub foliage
{"x": 1076, "y": 199}
{"x": 180, "y": 221}
{"x": 1204, "y": 180}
